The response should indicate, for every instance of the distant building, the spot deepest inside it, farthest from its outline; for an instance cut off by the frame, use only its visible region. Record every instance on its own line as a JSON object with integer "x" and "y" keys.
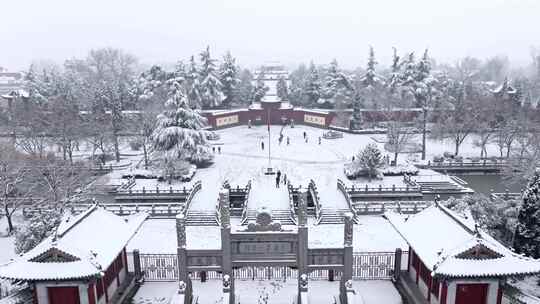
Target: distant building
{"x": 11, "y": 86}
{"x": 271, "y": 73}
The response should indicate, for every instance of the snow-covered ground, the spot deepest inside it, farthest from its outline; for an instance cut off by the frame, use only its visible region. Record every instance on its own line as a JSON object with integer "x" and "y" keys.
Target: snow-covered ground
{"x": 7, "y": 243}
{"x": 242, "y": 159}
{"x": 254, "y": 291}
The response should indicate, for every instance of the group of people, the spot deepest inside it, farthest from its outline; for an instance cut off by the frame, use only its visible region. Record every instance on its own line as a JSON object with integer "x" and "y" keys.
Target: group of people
{"x": 279, "y": 179}
{"x": 288, "y": 140}
{"x": 218, "y": 148}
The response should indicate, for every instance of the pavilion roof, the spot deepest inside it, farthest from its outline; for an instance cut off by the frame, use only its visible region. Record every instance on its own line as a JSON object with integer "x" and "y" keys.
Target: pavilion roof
{"x": 83, "y": 246}
{"x": 451, "y": 245}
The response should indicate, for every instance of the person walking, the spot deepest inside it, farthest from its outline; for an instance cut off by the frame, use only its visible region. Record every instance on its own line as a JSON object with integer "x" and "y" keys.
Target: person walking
{"x": 305, "y": 135}
{"x": 219, "y": 150}
{"x": 284, "y": 179}
{"x": 319, "y": 140}
{"x": 262, "y": 145}
{"x": 288, "y": 141}
{"x": 278, "y": 178}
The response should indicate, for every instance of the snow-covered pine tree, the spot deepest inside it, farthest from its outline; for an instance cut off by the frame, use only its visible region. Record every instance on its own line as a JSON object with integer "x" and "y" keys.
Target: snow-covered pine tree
{"x": 36, "y": 229}
{"x": 211, "y": 86}
{"x": 370, "y": 78}
{"x": 356, "y": 119}
{"x": 193, "y": 84}
{"x": 282, "y": 91}
{"x": 312, "y": 88}
{"x": 298, "y": 78}
{"x": 331, "y": 80}
{"x": 178, "y": 133}
{"x": 228, "y": 73}
{"x": 371, "y": 159}
{"x": 245, "y": 87}
{"x": 371, "y": 82}
{"x": 394, "y": 81}
{"x": 260, "y": 87}
{"x": 527, "y": 234}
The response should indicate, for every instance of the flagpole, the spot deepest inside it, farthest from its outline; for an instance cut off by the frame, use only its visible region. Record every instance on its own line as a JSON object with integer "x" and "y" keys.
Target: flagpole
{"x": 268, "y": 121}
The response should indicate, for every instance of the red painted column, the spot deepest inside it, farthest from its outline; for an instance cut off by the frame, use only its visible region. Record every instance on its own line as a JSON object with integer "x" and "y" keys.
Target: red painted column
{"x": 105, "y": 289}
{"x": 499, "y": 294}
{"x": 444, "y": 292}
{"x": 125, "y": 261}
{"x": 429, "y": 288}
{"x": 91, "y": 294}
{"x": 410, "y": 259}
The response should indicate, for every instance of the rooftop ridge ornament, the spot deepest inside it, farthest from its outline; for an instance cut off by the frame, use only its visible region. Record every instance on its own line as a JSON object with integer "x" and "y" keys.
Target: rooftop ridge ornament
{"x": 263, "y": 222}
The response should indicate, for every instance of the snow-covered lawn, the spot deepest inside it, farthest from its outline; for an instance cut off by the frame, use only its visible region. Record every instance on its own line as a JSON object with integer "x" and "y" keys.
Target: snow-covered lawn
{"x": 254, "y": 291}
{"x": 7, "y": 243}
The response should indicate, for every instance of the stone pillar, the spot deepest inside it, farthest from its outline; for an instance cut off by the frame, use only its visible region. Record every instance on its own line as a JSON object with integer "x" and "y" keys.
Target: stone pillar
{"x": 347, "y": 256}
{"x": 225, "y": 219}
{"x": 303, "y": 289}
{"x": 83, "y": 293}
{"x": 137, "y": 264}
{"x": 302, "y": 250}
{"x": 184, "y": 286}
{"x": 397, "y": 264}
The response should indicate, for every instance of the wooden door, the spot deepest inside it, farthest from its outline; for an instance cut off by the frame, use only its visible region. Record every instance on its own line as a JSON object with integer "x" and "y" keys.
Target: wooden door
{"x": 63, "y": 295}
{"x": 471, "y": 293}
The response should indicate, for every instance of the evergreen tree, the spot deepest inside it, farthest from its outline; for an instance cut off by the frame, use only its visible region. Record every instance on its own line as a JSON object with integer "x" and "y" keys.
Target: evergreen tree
{"x": 193, "y": 84}
{"x": 211, "y": 86}
{"x": 229, "y": 78}
{"x": 370, "y": 78}
{"x": 37, "y": 228}
{"x": 260, "y": 87}
{"x": 245, "y": 87}
{"x": 298, "y": 77}
{"x": 312, "y": 88}
{"x": 371, "y": 159}
{"x": 331, "y": 80}
{"x": 282, "y": 91}
{"x": 527, "y": 235}
{"x": 178, "y": 133}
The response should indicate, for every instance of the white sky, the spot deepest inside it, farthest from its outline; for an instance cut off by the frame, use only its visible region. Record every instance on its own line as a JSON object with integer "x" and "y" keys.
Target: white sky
{"x": 290, "y": 31}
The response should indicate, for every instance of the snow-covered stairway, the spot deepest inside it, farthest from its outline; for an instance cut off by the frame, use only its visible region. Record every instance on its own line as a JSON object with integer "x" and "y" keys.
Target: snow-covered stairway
{"x": 332, "y": 216}
{"x": 201, "y": 218}
{"x": 281, "y": 215}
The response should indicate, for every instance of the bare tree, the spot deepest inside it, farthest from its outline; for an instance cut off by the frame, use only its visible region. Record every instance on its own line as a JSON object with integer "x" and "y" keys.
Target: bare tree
{"x": 15, "y": 183}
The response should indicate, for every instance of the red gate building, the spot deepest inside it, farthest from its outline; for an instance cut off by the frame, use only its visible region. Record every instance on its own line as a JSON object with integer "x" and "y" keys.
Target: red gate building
{"x": 452, "y": 261}
{"x": 83, "y": 262}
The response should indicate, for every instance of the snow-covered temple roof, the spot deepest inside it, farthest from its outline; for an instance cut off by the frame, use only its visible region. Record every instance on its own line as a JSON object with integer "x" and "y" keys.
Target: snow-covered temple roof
{"x": 451, "y": 245}
{"x": 82, "y": 246}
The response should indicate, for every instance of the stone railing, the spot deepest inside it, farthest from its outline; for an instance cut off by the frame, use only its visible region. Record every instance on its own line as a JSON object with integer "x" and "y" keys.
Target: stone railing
{"x": 405, "y": 207}
{"x": 197, "y": 186}
{"x": 246, "y": 201}
{"x": 312, "y": 187}
{"x": 292, "y": 209}
{"x": 382, "y": 189}
{"x": 343, "y": 189}
{"x": 153, "y": 209}
{"x": 155, "y": 192}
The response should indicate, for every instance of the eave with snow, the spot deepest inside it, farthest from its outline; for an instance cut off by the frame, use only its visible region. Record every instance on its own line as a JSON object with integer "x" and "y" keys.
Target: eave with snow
{"x": 452, "y": 261}
{"x": 84, "y": 261}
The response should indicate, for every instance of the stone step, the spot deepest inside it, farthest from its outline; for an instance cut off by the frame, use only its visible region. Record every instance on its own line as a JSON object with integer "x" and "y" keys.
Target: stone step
{"x": 201, "y": 218}
{"x": 333, "y": 216}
